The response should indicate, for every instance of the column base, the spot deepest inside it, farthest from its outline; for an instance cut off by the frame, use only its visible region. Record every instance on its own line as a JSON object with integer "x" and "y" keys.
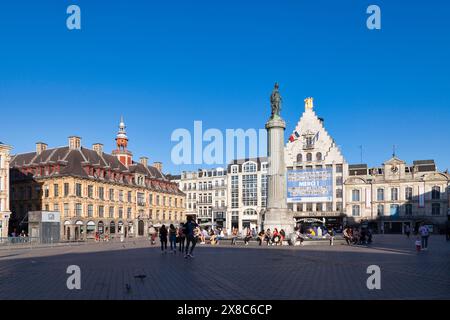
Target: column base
{"x": 280, "y": 219}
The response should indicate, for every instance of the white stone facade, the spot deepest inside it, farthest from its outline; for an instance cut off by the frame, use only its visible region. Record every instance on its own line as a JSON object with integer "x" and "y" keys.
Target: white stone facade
{"x": 247, "y": 193}
{"x": 206, "y": 195}
{"x": 4, "y": 189}
{"x": 397, "y": 194}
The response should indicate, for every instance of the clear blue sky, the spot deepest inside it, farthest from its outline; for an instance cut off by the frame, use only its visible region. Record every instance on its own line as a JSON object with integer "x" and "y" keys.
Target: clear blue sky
{"x": 164, "y": 64}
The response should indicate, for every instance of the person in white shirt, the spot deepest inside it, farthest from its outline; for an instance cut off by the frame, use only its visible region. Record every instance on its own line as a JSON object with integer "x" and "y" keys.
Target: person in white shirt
{"x": 424, "y": 234}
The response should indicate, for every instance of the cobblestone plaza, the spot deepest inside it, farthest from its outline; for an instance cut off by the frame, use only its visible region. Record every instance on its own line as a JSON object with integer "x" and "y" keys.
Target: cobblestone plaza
{"x": 111, "y": 270}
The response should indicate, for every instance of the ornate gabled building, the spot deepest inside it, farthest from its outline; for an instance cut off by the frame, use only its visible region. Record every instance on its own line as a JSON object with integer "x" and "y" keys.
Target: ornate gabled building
{"x": 4, "y": 189}
{"x": 316, "y": 170}
{"x": 397, "y": 194}
{"x": 94, "y": 191}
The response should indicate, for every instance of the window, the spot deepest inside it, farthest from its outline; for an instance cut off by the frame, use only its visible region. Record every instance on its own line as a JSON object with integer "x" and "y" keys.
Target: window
{"x": 55, "y": 207}
{"x": 339, "y": 180}
{"x": 141, "y": 199}
{"x": 234, "y": 169}
{"x": 309, "y": 207}
{"x": 319, "y": 207}
{"x": 249, "y": 190}
{"x": 56, "y": 190}
{"x": 111, "y": 194}
{"x": 339, "y": 206}
{"x": 395, "y": 208}
{"x": 355, "y": 211}
{"x": 90, "y": 210}
{"x": 408, "y": 193}
{"x": 250, "y": 212}
{"x": 130, "y": 196}
{"x": 78, "y": 209}
{"x": 380, "y": 210}
{"x": 435, "y": 209}
{"x": 263, "y": 190}
{"x": 78, "y": 189}
{"x": 319, "y": 156}
{"x": 408, "y": 209}
{"x": 380, "y": 194}
{"x": 46, "y": 192}
{"x": 234, "y": 192}
{"x": 121, "y": 195}
{"x": 249, "y": 167}
{"x": 339, "y": 168}
{"x": 436, "y": 193}
{"x": 101, "y": 211}
{"x": 339, "y": 193}
{"x": 101, "y": 193}
{"x": 309, "y": 157}
{"x": 299, "y": 158}
{"x": 111, "y": 212}
{"x": 394, "y": 194}
{"x": 128, "y": 213}
{"x": 120, "y": 212}
{"x": 66, "y": 209}
{"x": 355, "y": 195}
{"x": 90, "y": 192}
{"x": 150, "y": 199}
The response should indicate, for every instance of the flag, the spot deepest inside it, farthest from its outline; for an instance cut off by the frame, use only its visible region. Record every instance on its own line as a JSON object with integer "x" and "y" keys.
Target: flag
{"x": 316, "y": 137}
{"x": 291, "y": 138}
{"x": 296, "y": 134}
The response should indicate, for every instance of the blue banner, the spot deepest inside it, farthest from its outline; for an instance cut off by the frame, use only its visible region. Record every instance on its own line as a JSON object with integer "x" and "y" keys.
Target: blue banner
{"x": 310, "y": 185}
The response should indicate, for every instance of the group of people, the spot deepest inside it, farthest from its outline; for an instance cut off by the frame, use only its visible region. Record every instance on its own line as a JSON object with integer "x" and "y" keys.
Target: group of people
{"x": 274, "y": 238}
{"x": 186, "y": 236}
{"x": 358, "y": 236}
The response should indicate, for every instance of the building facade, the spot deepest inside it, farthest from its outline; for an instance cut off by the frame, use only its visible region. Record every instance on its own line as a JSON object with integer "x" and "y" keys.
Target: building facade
{"x": 247, "y": 193}
{"x": 4, "y": 189}
{"x": 398, "y": 194}
{"x": 206, "y": 195}
{"x": 311, "y": 154}
{"x": 94, "y": 191}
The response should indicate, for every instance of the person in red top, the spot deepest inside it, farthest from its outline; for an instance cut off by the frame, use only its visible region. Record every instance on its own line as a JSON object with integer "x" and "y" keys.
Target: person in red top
{"x": 275, "y": 236}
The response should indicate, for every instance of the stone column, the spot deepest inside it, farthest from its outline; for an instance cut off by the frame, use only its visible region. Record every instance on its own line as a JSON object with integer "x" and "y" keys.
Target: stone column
{"x": 277, "y": 214}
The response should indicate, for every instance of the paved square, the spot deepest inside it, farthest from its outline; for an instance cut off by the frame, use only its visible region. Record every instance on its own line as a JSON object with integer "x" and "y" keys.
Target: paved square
{"x": 224, "y": 272}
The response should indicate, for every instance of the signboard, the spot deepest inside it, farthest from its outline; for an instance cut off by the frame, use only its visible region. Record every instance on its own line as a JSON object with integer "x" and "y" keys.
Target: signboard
{"x": 50, "y": 216}
{"x": 310, "y": 185}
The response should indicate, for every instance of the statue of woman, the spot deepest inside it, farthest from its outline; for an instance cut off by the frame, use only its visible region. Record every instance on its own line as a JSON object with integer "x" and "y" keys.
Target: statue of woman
{"x": 275, "y": 101}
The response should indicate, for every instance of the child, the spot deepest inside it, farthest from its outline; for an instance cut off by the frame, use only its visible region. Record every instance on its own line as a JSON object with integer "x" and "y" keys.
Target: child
{"x": 418, "y": 244}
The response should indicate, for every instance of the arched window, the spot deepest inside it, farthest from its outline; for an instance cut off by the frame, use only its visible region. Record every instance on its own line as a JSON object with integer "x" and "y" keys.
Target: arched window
{"x": 436, "y": 193}
{"x": 308, "y": 157}
{"x": 408, "y": 193}
{"x": 249, "y": 167}
{"x": 380, "y": 194}
{"x": 299, "y": 157}
{"x": 319, "y": 156}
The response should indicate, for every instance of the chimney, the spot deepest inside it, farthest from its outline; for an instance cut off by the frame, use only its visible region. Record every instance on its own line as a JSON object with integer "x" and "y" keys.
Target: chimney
{"x": 158, "y": 165}
{"x": 74, "y": 143}
{"x": 98, "y": 147}
{"x": 309, "y": 103}
{"x": 40, "y": 146}
{"x": 144, "y": 161}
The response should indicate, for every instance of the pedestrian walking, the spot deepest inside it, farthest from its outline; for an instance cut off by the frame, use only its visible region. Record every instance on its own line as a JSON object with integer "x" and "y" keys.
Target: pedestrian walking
{"x": 181, "y": 237}
{"x": 173, "y": 238}
{"x": 331, "y": 233}
{"x": 191, "y": 230}
{"x": 163, "y": 238}
{"x": 424, "y": 234}
{"x": 407, "y": 231}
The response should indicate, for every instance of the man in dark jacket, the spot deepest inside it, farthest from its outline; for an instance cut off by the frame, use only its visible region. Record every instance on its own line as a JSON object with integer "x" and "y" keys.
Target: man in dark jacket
{"x": 191, "y": 238}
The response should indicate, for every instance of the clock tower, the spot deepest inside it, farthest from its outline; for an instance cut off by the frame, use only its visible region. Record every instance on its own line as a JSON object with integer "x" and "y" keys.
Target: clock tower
{"x": 122, "y": 153}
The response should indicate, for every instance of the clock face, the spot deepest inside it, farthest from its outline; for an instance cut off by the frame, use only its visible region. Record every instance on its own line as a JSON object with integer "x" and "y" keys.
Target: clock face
{"x": 394, "y": 169}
